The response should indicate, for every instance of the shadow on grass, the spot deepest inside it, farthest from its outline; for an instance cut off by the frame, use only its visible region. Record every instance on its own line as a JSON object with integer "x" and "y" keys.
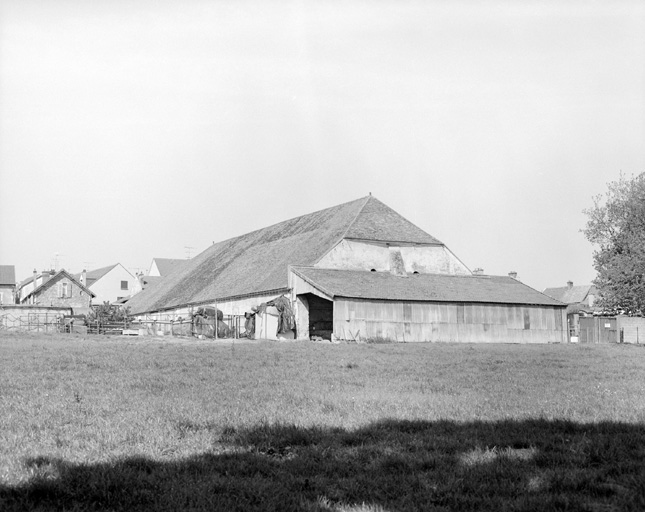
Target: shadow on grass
{"x": 388, "y": 465}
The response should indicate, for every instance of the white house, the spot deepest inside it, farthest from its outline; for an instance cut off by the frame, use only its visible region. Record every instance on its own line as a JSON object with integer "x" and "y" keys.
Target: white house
{"x": 109, "y": 284}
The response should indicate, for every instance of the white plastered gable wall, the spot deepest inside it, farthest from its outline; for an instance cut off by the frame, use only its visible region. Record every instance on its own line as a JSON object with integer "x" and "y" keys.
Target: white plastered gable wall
{"x": 363, "y": 255}
{"x": 108, "y": 287}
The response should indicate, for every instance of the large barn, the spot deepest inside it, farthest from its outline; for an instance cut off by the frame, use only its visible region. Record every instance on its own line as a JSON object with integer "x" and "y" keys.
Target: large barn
{"x": 357, "y": 271}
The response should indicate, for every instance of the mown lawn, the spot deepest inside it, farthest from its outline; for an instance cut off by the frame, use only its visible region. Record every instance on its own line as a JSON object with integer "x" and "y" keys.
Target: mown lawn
{"x": 110, "y": 423}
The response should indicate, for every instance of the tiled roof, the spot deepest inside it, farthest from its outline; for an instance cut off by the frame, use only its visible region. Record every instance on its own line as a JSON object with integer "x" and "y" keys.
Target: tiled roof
{"x": 570, "y": 294}
{"x": 167, "y": 265}
{"x": 94, "y": 275}
{"x": 7, "y": 275}
{"x": 423, "y": 287}
{"x": 258, "y": 261}
{"x": 377, "y": 221}
{"x": 30, "y": 279}
{"x": 55, "y": 278}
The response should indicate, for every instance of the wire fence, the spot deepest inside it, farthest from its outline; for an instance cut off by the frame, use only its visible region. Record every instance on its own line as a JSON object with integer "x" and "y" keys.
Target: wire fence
{"x": 228, "y": 327}
{"x": 35, "y": 322}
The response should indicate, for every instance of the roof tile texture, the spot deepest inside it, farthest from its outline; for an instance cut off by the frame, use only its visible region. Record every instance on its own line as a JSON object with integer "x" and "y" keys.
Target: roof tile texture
{"x": 258, "y": 261}
{"x": 424, "y": 287}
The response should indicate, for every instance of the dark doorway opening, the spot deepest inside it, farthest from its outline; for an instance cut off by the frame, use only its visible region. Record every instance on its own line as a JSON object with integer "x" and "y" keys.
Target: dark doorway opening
{"x": 321, "y": 317}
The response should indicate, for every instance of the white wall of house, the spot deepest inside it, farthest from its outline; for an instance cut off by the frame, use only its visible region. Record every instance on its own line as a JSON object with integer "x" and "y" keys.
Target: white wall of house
{"x": 360, "y": 255}
{"x": 117, "y": 283}
{"x": 154, "y": 269}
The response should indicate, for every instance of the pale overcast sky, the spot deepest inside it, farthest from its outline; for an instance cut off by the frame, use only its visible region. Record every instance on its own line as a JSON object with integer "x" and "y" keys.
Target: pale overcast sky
{"x": 132, "y": 130}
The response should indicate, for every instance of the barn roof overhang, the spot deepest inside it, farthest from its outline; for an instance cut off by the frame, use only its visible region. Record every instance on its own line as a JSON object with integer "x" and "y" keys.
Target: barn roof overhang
{"x": 356, "y": 284}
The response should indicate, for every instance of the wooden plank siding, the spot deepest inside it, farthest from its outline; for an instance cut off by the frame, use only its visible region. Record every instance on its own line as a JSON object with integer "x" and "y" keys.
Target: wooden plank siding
{"x": 363, "y": 319}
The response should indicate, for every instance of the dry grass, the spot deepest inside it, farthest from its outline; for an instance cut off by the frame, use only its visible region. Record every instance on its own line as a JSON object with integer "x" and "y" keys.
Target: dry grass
{"x": 96, "y": 423}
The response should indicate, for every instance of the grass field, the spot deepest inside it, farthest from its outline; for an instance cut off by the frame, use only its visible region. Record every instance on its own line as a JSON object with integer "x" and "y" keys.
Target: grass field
{"x": 111, "y": 423}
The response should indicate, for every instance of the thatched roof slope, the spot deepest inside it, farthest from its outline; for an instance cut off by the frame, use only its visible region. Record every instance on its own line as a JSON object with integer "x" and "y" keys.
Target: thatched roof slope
{"x": 258, "y": 261}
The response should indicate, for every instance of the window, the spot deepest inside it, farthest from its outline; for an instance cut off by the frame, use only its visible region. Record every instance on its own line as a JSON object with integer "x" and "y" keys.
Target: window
{"x": 124, "y": 285}
{"x": 64, "y": 290}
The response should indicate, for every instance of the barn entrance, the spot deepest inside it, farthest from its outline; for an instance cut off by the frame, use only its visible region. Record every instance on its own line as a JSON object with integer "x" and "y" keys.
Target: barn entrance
{"x": 321, "y": 316}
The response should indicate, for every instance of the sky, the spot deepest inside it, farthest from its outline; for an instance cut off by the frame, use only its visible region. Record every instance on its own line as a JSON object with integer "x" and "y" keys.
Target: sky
{"x": 135, "y": 130}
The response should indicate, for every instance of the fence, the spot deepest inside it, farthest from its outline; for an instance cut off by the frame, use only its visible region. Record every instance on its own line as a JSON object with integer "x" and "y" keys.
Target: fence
{"x": 34, "y": 318}
{"x": 55, "y": 319}
{"x": 230, "y": 326}
{"x": 619, "y": 329}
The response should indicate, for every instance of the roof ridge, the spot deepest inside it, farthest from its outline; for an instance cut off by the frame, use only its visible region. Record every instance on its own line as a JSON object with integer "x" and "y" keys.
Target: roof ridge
{"x": 56, "y": 277}
{"x": 360, "y": 210}
{"x": 344, "y": 234}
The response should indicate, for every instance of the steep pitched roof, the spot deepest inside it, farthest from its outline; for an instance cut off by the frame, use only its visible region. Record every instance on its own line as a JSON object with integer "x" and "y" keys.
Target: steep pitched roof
{"x": 94, "y": 275}
{"x": 258, "y": 261}
{"x": 423, "y": 287}
{"x": 167, "y": 265}
{"x": 570, "y": 294}
{"x": 55, "y": 278}
{"x": 378, "y": 222}
{"x": 30, "y": 279}
{"x": 7, "y": 275}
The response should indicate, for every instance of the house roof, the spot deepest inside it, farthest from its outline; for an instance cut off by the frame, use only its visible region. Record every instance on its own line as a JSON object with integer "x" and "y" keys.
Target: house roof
{"x": 570, "y": 294}
{"x": 94, "y": 275}
{"x": 7, "y": 275}
{"x": 97, "y": 274}
{"x": 30, "y": 279}
{"x": 167, "y": 265}
{"x": 57, "y": 277}
{"x": 423, "y": 287}
{"x": 258, "y": 261}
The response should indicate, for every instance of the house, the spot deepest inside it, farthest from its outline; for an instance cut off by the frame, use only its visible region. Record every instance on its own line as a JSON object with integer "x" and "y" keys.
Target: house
{"x": 579, "y": 300}
{"x": 109, "y": 284}
{"x": 7, "y": 284}
{"x": 357, "y": 271}
{"x": 60, "y": 289}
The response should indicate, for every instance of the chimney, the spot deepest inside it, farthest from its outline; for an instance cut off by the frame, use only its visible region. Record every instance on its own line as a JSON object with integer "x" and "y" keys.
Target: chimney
{"x": 34, "y": 278}
{"x": 569, "y": 284}
{"x": 512, "y": 274}
{"x": 84, "y": 277}
{"x": 397, "y": 265}
{"x": 45, "y": 276}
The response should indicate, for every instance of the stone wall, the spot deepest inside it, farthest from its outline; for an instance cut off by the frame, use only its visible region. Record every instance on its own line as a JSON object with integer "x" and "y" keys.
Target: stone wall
{"x": 51, "y": 296}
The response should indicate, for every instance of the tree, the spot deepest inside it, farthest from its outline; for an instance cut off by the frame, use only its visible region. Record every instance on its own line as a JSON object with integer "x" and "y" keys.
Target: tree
{"x": 616, "y": 225}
